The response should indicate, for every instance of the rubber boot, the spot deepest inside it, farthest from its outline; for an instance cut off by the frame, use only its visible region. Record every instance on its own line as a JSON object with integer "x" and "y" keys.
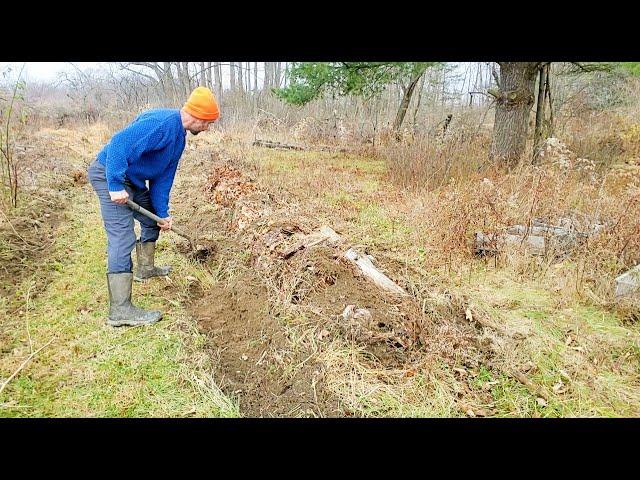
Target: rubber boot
{"x": 121, "y": 310}
{"x": 145, "y": 267}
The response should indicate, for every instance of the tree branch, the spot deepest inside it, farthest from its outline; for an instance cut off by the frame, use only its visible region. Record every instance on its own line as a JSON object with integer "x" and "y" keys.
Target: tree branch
{"x": 139, "y": 73}
{"x": 23, "y": 365}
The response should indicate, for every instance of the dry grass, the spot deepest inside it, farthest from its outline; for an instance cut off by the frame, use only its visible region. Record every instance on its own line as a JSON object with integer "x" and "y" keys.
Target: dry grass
{"x": 423, "y": 239}
{"x": 415, "y": 207}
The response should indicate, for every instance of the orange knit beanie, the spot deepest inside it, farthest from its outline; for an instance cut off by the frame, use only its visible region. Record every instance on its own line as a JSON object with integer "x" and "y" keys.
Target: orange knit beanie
{"x": 202, "y": 104}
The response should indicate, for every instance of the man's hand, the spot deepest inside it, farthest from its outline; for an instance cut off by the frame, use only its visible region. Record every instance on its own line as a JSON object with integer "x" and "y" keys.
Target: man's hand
{"x": 119, "y": 197}
{"x": 168, "y": 223}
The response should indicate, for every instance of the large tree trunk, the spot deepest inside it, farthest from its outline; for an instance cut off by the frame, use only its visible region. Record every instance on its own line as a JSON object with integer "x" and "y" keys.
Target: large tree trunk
{"x": 277, "y": 74}
{"x": 179, "y": 83}
{"x": 240, "y": 84}
{"x": 267, "y": 76}
{"x": 169, "y": 84}
{"x": 417, "y": 107}
{"x": 514, "y": 98}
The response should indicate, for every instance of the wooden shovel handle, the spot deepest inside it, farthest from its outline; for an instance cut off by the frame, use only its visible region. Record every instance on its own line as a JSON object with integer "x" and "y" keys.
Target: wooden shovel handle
{"x": 134, "y": 206}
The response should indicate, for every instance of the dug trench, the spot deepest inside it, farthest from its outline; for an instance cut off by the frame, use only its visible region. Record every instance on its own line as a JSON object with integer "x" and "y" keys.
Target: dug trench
{"x": 268, "y": 321}
{"x": 251, "y": 351}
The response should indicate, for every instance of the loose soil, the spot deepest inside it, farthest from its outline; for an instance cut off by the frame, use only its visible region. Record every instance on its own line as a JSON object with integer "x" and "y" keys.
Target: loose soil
{"x": 250, "y": 349}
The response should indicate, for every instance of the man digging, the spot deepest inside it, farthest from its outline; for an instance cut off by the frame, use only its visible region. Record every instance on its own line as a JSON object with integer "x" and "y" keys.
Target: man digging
{"x": 146, "y": 150}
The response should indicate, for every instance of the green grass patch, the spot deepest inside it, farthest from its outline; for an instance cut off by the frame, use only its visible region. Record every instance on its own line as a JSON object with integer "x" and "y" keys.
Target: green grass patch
{"x": 369, "y": 186}
{"x": 380, "y": 227}
{"x": 366, "y": 165}
{"x": 342, "y": 199}
{"x": 91, "y": 369}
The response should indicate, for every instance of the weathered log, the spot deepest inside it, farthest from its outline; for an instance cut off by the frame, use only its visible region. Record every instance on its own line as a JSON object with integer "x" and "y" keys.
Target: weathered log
{"x": 539, "y": 230}
{"x": 491, "y": 244}
{"x": 287, "y": 146}
{"x": 628, "y": 282}
{"x": 534, "y": 389}
{"x": 571, "y": 226}
{"x": 372, "y": 273}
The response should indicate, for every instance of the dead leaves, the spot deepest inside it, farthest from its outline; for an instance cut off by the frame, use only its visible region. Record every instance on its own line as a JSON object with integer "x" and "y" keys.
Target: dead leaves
{"x": 559, "y": 387}
{"x": 226, "y": 184}
{"x": 477, "y": 411}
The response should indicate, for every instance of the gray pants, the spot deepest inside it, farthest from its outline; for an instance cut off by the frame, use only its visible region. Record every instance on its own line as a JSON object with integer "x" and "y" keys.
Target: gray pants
{"x": 118, "y": 221}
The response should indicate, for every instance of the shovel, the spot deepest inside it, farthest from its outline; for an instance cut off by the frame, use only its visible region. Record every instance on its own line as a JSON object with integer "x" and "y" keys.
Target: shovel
{"x": 198, "y": 251}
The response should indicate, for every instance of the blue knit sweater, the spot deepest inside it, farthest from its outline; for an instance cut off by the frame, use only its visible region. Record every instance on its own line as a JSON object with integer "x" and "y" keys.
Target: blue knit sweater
{"x": 149, "y": 148}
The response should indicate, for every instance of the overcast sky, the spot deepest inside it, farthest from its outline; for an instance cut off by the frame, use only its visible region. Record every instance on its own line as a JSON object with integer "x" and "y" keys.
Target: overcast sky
{"x": 46, "y": 70}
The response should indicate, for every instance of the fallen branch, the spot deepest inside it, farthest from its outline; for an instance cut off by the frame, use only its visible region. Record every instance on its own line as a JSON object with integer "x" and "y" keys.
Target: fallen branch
{"x": 485, "y": 323}
{"x": 533, "y": 388}
{"x": 23, "y": 365}
{"x": 287, "y": 146}
{"x": 270, "y": 144}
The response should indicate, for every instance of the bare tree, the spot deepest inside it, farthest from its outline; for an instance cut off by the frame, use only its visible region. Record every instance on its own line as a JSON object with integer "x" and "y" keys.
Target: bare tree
{"x": 209, "y": 83}
{"x": 186, "y": 79}
{"x": 267, "y": 76}
{"x": 160, "y": 75}
{"x": 170, "y": 88}
{"x": 203, "y": 77}
{"x": 417, "y": 106}
{"x": 255, "y": 76}
{"x": 407, "y": 93}
{"x": 232, "y": 75}
{"x": 218, "y": 78}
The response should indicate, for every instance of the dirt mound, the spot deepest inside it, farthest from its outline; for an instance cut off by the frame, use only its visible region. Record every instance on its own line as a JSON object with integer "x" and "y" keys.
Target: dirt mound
{"x": 269, "y": 329}
{"x": 253, "y": 357}
{"x": 395, "y": 330}
{"x": 322, "y": 280}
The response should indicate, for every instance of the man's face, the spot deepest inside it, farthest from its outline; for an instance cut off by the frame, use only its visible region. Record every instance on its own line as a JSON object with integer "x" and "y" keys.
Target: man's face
{"x": 199, "y": 126}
